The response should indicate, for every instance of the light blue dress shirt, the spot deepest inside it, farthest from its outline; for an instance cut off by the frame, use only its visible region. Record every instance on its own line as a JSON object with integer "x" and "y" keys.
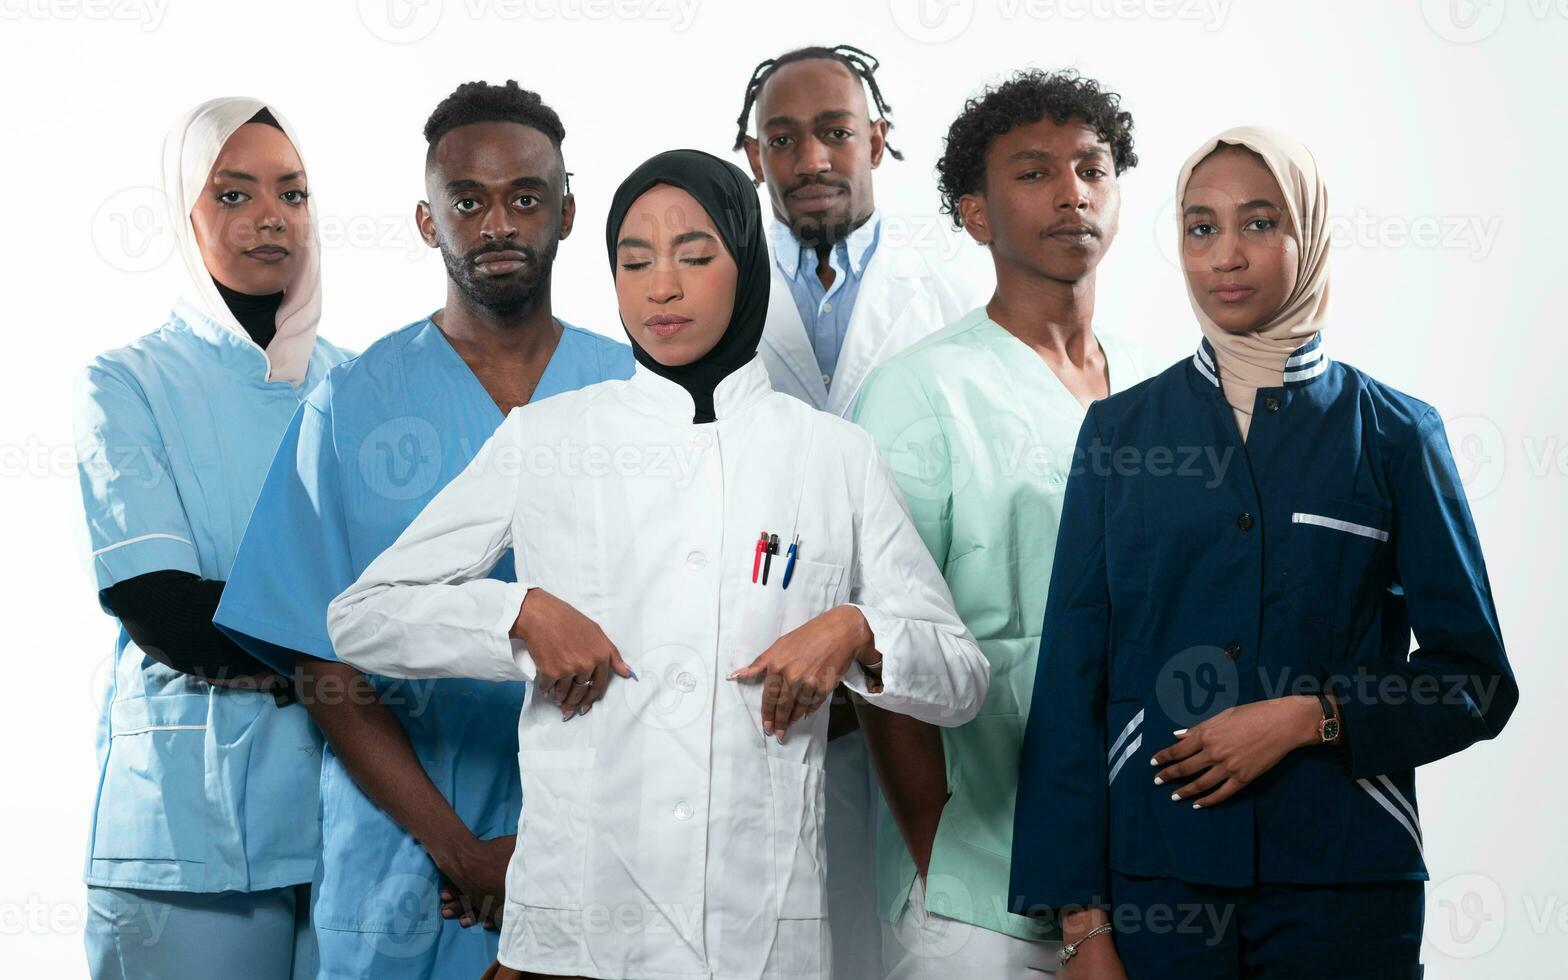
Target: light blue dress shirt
{"x": 825, "y": 312}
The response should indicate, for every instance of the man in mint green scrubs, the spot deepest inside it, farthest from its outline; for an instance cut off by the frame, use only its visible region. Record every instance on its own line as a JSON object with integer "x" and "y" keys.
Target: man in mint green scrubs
{"x": 979, "y": 423}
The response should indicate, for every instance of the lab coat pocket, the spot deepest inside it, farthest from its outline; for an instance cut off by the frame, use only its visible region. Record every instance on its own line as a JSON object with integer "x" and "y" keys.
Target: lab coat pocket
{"x": 769, "y": 611}
{"x": 557, "y": 828}
{"x": 799, "y": 805}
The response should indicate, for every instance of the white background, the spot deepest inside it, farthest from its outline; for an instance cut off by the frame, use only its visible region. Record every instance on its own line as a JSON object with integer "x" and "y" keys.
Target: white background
{"x": 1439, "y": 126}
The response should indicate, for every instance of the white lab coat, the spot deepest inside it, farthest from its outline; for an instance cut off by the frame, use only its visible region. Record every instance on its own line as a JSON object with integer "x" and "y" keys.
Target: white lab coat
{"x": 904, "y": 296}
{"x": 663, "y": 834}
{"x": 907, "y": 293}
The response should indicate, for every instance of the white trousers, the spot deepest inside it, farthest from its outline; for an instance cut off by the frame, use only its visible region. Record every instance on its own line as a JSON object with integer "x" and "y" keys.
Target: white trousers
{"x": 923, "y": 945}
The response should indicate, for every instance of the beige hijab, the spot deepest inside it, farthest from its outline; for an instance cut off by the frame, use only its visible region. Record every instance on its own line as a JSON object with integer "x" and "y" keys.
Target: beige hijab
{"x": 1257, "y": 359}
{"x": 189, "y": 152}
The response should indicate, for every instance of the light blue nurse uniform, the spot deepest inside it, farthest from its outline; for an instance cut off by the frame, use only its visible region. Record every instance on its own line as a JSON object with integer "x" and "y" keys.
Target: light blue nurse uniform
{"x": 370, "y": 447}
{"x": 201, "y": 789}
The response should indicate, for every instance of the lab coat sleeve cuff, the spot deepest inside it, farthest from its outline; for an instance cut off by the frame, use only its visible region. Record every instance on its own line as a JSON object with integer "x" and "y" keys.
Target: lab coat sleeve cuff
{"x": 512, "y": 652}
{"x": 857, "y": 680}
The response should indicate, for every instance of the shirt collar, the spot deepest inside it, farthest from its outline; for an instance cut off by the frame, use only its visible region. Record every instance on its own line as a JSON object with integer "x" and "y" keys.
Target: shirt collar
{"x": 739, "y": 390}
{"x": 1305, "y": 364}
{"x": 790, "y": 255}
{"x": 234, "y": 348}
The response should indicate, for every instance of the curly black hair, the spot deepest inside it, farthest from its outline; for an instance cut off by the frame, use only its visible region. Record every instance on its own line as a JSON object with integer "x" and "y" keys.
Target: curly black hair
{"x": 1027, "y": 97}
{"x": 473, "y": 102}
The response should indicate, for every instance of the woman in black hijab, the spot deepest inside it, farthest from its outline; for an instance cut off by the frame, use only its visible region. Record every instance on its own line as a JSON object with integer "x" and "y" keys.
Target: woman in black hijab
{"x": 708, "y": 557}
{"x": 696, "y": 356}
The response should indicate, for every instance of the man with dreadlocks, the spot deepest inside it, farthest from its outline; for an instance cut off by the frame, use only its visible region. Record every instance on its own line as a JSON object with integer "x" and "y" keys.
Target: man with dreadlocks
{"x": 845, "y": 295}
{"x": 420, "y": 790}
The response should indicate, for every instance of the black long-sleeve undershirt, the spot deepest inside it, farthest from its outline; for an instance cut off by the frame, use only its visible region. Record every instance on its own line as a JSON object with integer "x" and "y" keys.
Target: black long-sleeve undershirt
{"x": 169, "y": 615}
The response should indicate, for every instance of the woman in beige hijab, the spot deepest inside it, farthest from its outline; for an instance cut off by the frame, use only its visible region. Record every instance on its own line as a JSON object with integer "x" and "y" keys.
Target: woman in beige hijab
{"x": 1217, "y": 777}
{"x": 204, "y": 835}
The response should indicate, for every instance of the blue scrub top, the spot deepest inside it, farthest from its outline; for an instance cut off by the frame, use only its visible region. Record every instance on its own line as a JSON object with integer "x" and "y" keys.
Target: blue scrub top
{"x": 201, "y": 788}
{"x": 371, "y": 446}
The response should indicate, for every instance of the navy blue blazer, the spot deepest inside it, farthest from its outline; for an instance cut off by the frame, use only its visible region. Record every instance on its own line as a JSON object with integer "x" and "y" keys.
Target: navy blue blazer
{"x": 1194, "y": 572}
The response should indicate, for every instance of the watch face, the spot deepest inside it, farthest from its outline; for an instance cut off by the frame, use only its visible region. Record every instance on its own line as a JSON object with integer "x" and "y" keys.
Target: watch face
{"x": 1330, "y": 729}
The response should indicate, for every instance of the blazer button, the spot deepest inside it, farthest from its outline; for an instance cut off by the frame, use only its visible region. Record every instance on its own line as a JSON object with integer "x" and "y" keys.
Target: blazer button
{"x": 1233, "y": 650}
{"x": 1271, "y": 403}
{"x": 1244, "y": 521}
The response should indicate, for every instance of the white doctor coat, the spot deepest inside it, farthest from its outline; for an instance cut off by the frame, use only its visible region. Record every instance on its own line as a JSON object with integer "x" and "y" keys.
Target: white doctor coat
{"x": 908, "y": 292}
{"x": 905, "y": 295}
{"x": 663, "y": 834}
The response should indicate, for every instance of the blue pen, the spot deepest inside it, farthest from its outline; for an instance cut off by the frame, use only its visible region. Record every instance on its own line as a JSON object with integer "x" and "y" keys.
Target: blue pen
{"x": 789, "y": 566}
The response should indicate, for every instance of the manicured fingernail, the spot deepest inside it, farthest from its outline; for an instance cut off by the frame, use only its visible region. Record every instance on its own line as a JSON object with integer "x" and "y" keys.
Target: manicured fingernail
{"x": 1179, "y": 732}
{"x": 631, "y": 673}
{"x": 1175, "y": 796}
{"x": 780, "y": 737}
{"x": 767, "y": 729}
{"x": 582, "y": 709}
{"x": 568, "y": 716}
{"x": 1158, "y": 781}
{"x": 732, "y": 675}
{"x": 1153, "y": 761}
{"x": 1197, "y": 806}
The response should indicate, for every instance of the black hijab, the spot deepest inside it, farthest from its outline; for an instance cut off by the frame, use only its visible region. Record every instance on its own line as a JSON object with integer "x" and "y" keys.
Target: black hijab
{"x": 730, "y": 199}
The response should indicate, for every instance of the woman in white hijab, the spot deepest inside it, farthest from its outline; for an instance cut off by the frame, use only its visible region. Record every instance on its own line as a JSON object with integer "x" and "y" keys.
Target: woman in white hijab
{"x": 204, "y": 836}
{"x": 1227, "y": 712}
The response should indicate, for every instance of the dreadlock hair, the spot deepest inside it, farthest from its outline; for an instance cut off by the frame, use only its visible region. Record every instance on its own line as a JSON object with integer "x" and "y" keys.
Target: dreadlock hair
{"x": 473, "y": 102}
{"x": 860, "y": 64}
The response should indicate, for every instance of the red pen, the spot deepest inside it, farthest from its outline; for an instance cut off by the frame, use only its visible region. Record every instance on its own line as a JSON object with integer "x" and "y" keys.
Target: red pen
{"x": 756, "y": 558}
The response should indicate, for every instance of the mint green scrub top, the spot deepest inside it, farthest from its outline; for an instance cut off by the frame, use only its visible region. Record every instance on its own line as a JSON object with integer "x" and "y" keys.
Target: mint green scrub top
{"x": 980, "y": 434}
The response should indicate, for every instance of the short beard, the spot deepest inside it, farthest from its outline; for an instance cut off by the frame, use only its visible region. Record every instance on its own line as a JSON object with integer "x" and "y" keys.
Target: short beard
{"x": 813, "y": 233}
{"x": 503, "y": 298}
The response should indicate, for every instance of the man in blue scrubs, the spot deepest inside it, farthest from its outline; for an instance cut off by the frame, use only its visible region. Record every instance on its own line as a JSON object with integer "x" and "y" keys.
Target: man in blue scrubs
{"x": 419, "y": 783}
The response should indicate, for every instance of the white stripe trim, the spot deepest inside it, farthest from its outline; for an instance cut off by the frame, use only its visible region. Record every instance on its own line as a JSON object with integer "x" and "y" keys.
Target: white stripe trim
{"x": 140, "y": 537}
{"x": 1123, "y": 760}
{"x": 1308, "y": 372}
{"x": 162, "y": 728}
{"x": 1205, "y": 372}
{"x": 1334, "y": 523}
{"x": 1393, "y": 791}
{"x": 1137, "y": 720}
{"x": 1393, "y": 811}
{"x": 1208, "y": 361}
{"x": 1297, "y": 359}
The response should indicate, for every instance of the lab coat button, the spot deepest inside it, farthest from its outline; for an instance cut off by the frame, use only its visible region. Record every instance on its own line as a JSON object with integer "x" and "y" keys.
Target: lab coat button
{"x": 1244, "y": 521}
{"x": 827, "y": 378}
{"x": 702, "y": 440}
{"x": 1233, "y": 650}
{"x": 696, "y": 559}
{"x": 827, "y": 307}
{"x": 1271, "y": 403}
{"x": 682, "y": 810}
{"x": 686, "y": 681}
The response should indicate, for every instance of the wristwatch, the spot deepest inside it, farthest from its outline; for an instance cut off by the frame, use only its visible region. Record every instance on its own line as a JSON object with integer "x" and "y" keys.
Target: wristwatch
{"x": 1328, "y": 728}
{"x": 1069, "y": 950}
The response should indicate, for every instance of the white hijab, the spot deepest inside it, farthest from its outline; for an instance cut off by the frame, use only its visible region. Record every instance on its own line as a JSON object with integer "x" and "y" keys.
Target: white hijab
{"x": 189, "y": 152}
{"x": 1256, "y": 359}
